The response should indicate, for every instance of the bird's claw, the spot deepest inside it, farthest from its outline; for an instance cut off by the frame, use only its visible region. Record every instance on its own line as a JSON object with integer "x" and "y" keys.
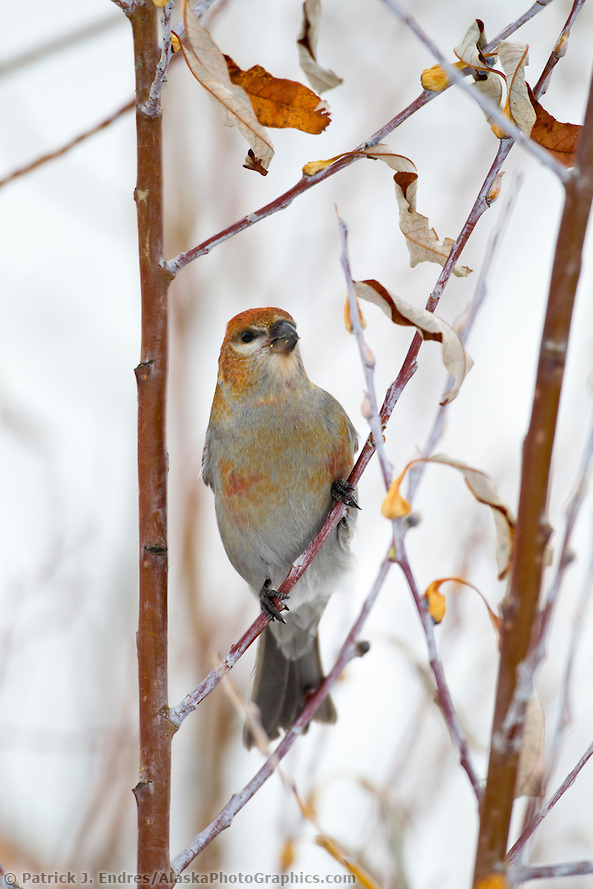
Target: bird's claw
{"x": 341, "y": 491}
{"x": 266, "y": 601}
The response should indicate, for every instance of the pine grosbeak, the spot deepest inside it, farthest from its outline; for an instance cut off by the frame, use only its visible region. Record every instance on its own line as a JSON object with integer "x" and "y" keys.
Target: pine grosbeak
{"x": 278, "y": 451}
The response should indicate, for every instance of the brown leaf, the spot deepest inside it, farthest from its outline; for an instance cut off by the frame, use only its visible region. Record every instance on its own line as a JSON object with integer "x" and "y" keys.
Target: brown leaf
{"x": 321, "y": 79}
{"x": 207, "y": 64}
{"x": 430, "y": 327}
{"x": 280, "y": 103}
{"x": 561, "y": 139}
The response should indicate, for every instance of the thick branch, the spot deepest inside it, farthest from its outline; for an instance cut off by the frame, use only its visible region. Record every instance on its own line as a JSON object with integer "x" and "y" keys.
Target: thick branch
{"x": 520, "y": 608}
{"x": 153, "y": 789}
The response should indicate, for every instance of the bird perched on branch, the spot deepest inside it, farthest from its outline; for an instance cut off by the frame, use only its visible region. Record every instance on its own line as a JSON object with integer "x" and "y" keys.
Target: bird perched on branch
{"x": 278, "y": 452}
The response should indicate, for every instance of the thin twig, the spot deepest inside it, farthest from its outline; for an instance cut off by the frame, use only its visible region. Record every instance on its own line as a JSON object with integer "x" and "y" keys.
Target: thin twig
{"x": 443, "y": 694}
{"x": 558, "y": 51}
{"x": 540, "y": 871}
{"x": 350, "y": 649}
{"x": 463, "y": 326}
{"x": 371, "y": 409}
{"x": 152, "y": 106}
{"x": 547, "y": 808}
{"x": 491, "y": 110}
{"x": 58, "y": 152}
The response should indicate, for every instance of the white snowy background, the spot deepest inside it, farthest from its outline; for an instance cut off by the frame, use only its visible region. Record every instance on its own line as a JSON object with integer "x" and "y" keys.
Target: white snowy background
{"x": 69, "y": 341}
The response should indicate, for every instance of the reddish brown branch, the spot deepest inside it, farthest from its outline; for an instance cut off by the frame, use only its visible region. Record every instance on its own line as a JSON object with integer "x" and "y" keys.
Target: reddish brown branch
{"x": 520, "y": 607}
{"x": 153, "y": 789}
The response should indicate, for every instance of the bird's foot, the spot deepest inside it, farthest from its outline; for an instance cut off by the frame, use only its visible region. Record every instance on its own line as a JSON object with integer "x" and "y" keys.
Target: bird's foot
{"x": 267, "y": 604}
{"x": 342, "y": 492}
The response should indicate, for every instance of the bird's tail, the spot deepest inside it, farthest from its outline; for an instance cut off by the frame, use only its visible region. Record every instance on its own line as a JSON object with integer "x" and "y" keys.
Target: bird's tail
{"x": 281, "y": 685}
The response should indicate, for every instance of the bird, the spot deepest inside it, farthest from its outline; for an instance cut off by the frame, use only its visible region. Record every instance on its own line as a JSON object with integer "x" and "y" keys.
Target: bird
{"x": 277, "y": 454}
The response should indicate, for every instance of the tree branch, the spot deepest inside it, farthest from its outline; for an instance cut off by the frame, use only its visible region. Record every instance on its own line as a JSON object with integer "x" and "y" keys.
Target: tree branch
{"x": 153, "y": 789}
{"x": 350, "y": 649}
{"x": 520, "y": 607}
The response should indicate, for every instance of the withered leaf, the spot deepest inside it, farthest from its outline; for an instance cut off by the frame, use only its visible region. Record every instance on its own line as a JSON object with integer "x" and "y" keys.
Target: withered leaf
{"x": 430, "y": 327}
{"x": 207, "y": 64}
{"x": 280, "y": 103}
{"x": 395, "y": 505}
{"x": 321, "y": 79}
{"x": 470, "y": 48}
{"x": 423, "y": 242}
{"x": 484, "y": 490}
{"x": 435, "y": 600}
{"x": 561, "y": 139}
{"x": 513, "y": 58}
{"x": 530, "y": 770}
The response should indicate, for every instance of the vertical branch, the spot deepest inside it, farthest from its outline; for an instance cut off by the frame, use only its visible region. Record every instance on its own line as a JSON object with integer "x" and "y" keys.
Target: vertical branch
{"x": 521, "y": 604}
{"x": 153, "y": 789}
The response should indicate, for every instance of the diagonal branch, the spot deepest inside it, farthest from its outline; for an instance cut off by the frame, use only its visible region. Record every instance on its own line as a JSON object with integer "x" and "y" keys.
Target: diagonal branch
{"x": 350, "y": 649}
{"x": 520, "y": 608}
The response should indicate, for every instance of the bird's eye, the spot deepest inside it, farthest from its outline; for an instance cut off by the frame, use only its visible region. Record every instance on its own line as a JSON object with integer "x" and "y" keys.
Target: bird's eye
{"x": 247, "y": 336}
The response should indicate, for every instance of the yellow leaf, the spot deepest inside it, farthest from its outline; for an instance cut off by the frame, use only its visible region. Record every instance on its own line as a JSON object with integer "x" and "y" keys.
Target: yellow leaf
{"x": 160, "y": 3}
{"x": 436, "y": 600}
{"x": 280, "y": 103}
{"x": 348, "y": 318}
{"x": 436, "y": 79}
{"x": 395, "y": 506}
{"x": 321, "y": 79}
{"x": 175, "y": 43}
{"x": 493, "y": 881}
{"x": 287, "y": 855}
{"x": 430, "y": 326}
{"x": 337, "y": 853}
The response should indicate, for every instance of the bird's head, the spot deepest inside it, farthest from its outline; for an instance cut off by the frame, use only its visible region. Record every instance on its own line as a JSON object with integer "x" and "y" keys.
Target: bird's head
{"x": 260, "y": 353}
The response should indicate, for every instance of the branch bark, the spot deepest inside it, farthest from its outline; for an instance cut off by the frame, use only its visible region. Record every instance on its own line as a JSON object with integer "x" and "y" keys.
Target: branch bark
{"x": 521, "y": 605}
{"x": 153, "y": 789}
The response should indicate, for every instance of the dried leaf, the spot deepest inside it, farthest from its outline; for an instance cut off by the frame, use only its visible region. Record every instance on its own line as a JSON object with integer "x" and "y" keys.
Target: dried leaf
{"x": 513, "y": 58}
{"x": 530, "y": 770}
{"x": 321, "y": 79}
{"x": 436, "y": 78}
{"x": 561, "y": 139}
{"x": 348, "y": 318}
{"x": 423, "y": 242}
{"x": 430, "y": 327}
{"x": 469, "y": 51}
{"x": 484, "y": 490}
{"x": 339, "y": 855}
{"x": 287, "y": 855}
{"x": 435, "y": 600}
{"x": 395, "y": 506}
{"x": 493, "y": 881}
{"x": 207, "y": 64}
{"x": 280, "y": 103}
{"x": 491, "y": 87}
{"x": 175, "y": 43}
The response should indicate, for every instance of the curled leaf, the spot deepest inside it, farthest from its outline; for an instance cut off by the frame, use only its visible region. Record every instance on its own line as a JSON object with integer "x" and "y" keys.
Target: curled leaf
{"x": 513, "y": 58}
{"x": 208, "y": 65}
{"x": 436, "y": 78}
{"x": 348, "y": 317}
{"x": 423, "y": 242}
{"x": 484, "y": 490}
{"x": 321, "y": 79}
{"x": 430, "y": 327}
{"x": 395, "y": 505}
{"x": 469, "y": 50}
{"x": 280, "y": 103}
{"x": 435, "y": 600}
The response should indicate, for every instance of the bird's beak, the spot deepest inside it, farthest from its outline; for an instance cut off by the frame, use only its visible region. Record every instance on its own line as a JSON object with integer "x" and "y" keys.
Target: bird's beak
{"x": 283, "y": 336}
